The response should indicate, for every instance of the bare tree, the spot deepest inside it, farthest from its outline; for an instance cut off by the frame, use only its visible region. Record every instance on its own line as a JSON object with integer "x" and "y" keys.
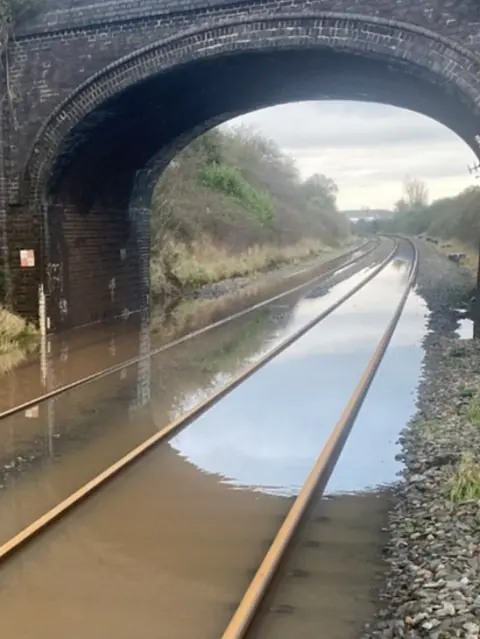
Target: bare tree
{"x": 415, "y": 193}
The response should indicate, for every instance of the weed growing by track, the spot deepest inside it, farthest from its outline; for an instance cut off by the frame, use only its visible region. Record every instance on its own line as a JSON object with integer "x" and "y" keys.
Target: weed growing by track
{"x": 465, "y": 483}
{"x": 473, "y": 412}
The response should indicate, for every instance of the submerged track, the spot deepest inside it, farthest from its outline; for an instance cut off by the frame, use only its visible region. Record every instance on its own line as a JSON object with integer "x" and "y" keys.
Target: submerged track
{"x": 249, "y": 612}
{"x": 352, "y": 257}
{"x": 252, "y": 610}
{"x": 42, "y": 523}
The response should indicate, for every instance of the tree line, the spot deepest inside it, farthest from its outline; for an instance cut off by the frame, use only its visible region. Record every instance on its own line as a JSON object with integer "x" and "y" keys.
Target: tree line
{"x": 455, "y": 217}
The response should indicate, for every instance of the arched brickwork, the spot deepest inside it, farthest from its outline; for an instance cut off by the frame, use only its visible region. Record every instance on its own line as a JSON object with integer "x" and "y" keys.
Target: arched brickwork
{"x": 443, "y": 79}
{"x": 448, "y": 61}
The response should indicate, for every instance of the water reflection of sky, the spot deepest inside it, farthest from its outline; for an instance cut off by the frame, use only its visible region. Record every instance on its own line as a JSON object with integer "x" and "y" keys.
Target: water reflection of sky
{"x": 368, "y": 459}
{"x": 465, "y": 328}
{"x": 267, "y": 433}
{"x": 309, "y": 307}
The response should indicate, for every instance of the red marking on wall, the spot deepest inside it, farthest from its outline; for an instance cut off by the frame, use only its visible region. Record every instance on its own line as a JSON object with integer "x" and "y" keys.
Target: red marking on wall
{"x": 27, "y": 258}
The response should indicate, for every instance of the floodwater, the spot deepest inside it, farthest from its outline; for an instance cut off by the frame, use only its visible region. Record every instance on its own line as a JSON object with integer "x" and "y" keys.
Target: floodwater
{"x": 268, "y": 445}
{"x": 329, "y": 582}
{"x": 465, "y": 328}
{"x": 48, "y": 453}
{"x": 167, "y": 548}
{"x": 78, "y": 353}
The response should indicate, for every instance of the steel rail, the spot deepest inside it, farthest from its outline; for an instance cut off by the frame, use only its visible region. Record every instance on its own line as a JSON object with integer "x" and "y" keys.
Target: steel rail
{"x": 102, "y": 340}
{"x": 139, "y": 358}
{"x": 40, "y": 524}
{"x": 316, "y": 482}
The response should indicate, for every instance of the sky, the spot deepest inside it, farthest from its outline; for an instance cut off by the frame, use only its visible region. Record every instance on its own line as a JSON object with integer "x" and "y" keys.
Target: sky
{"x": 368, "y": 149}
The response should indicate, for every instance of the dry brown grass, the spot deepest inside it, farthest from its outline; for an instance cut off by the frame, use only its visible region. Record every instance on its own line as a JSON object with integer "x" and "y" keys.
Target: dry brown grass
{"x": 15, "y": 332}
{"x": 10, "y": 360}
{"x": 465, "y": 482}
{"x": 456, "y": 246}
{"x": 204, "y": 262}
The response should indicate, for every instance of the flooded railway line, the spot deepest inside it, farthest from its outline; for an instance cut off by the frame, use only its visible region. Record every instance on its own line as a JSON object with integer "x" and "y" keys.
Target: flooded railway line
{"x": 182, "y": 524}
{"x": 169, "y": 427}
{"x": 99, "y": 423}
{"x": 304, "y": 529}
{"x": 85, "y": 350}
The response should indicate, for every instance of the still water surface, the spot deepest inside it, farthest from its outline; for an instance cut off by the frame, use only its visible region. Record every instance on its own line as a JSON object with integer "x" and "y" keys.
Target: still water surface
{"x": 166, "y": 550}
{"x": 49, "y": 454}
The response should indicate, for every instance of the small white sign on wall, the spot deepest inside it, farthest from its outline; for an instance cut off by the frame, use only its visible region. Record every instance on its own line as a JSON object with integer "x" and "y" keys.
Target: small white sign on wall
{"x": 27, "y": 258}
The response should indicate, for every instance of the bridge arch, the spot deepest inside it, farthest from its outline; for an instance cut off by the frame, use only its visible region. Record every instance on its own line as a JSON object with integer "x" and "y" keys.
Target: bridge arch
{"x": 413, "y": 46}
{"x": 153, "y": 101}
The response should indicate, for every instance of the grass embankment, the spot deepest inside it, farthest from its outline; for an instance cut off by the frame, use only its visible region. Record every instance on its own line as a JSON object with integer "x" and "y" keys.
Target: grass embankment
{"x": 17, "y": 337}
{"x": 453, "y": 245}
{"x": 203, "y": 262}
{"x": 454, "y": 222}
{"x": 230, "y": 205}
{"x": 465, "y": 483}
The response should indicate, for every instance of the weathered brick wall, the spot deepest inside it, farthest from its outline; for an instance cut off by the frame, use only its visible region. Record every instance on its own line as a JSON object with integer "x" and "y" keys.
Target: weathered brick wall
{"x": 456, "y": 19}
{"x": 3, "y": 196}
{"x": 61, "y": 49}
{"x": 90, "y": 275}
{"x": 93, "y": 262}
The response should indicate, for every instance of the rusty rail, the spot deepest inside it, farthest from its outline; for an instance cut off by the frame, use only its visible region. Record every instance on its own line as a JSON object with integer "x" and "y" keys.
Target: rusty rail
{"x": 315, "y": 483}
{"x": 43, "y": 522}
{"x": 139, "y": 358}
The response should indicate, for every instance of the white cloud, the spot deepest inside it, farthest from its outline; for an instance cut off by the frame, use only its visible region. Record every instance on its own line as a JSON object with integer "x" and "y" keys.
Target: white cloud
{"x": 367, "y": 148}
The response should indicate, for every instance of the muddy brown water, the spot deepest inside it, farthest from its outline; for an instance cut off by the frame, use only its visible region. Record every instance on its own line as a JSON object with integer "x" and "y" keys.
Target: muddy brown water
{"x": 48, "y": 452}
{"x": 167, "y": 548}
{"x": 329, "y": 585}
{"x": 78, "y": 353}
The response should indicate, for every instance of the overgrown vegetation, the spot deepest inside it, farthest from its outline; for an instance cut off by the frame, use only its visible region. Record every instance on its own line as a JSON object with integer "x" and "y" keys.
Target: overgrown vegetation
{"x": 15, "y": 332}
{"x": 465, "y": 483}
{"x": 453, "y": 219}
{"x": 232, "y": 203}
{"x": 229, "y": 181}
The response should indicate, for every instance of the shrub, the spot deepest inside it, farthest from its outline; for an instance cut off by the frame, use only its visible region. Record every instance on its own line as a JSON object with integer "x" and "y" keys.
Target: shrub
{"x": 14, "y": 331}
{"x": 229, "y": 181}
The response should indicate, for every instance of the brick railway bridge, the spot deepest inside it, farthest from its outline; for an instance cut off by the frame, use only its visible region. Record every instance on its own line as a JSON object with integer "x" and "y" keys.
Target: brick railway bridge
{"x": 97, "y": 97}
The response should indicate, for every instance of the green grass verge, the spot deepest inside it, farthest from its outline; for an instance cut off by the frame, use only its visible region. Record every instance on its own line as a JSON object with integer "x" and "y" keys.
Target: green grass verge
{"x": 465, "y": 483}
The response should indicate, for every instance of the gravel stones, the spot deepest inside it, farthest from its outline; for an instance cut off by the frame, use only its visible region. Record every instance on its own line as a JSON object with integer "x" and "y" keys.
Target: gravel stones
{"x": 432, "y": 581}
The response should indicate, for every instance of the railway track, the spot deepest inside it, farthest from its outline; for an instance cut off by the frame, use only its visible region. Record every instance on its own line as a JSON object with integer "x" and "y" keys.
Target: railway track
{"x": 295, "y": 534}
{"x": 89, "y": 425}
{"x": 251, "y": 614}
{"x": 351, "y": 257}
{"x": 41, "y": 523}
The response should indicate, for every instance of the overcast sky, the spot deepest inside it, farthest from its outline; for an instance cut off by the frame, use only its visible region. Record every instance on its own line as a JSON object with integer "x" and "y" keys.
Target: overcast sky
{"x": 367, "y": 148}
